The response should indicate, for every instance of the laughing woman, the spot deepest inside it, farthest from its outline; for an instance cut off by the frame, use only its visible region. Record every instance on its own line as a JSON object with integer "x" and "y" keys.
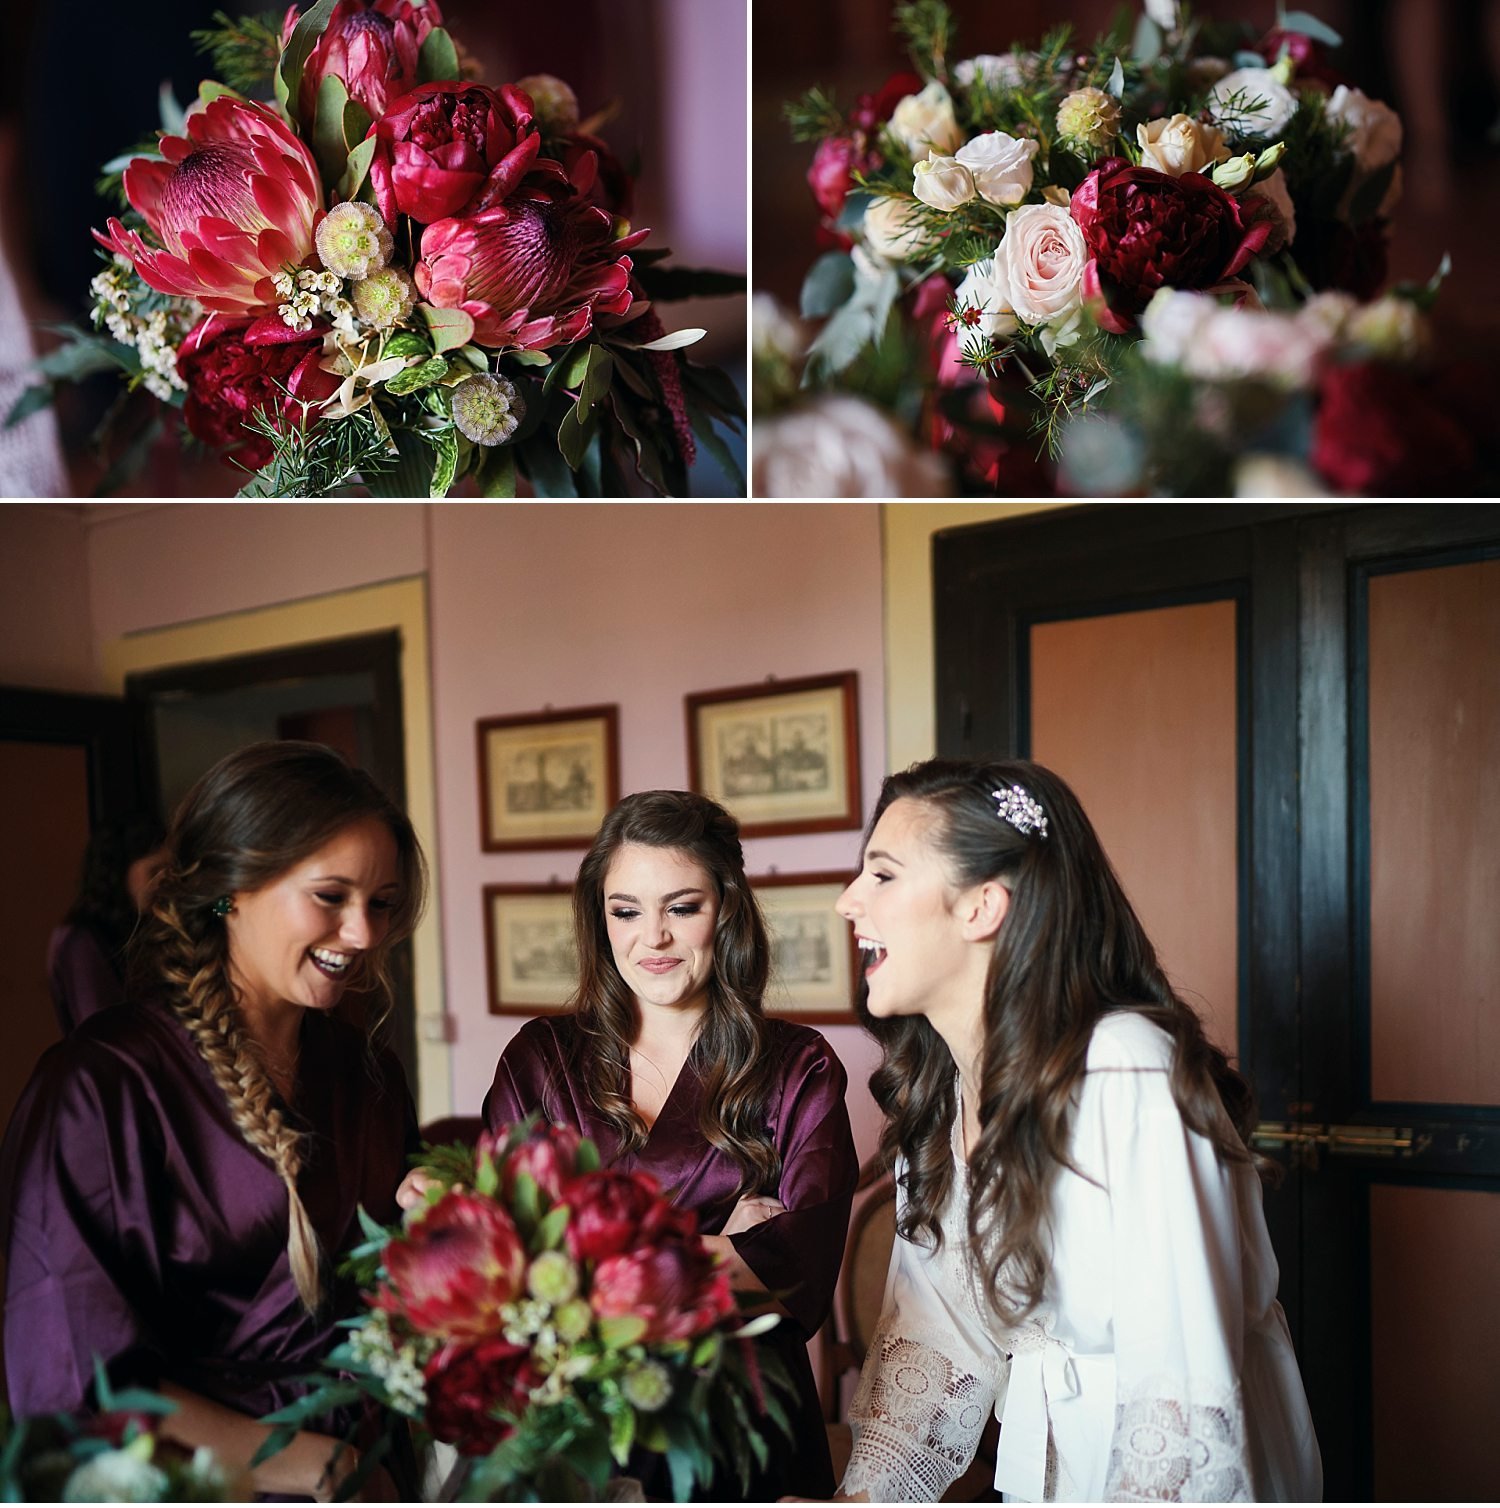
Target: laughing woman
{"x": 670, "y": 1066}
{"x": 1079, "y": 1224}
{"x": 182, "y": 1170}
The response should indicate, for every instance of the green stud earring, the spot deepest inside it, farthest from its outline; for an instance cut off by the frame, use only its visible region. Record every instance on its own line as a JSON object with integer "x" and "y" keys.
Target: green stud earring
{"x": 224, "y": 905}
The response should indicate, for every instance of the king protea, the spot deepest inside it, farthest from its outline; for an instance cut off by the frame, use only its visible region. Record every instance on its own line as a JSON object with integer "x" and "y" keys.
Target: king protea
{"x": 232, "y": 203}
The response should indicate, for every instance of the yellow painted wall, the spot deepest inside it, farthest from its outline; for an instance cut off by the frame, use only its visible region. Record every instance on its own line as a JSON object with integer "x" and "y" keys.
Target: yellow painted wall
{"x": 401, "y": 605}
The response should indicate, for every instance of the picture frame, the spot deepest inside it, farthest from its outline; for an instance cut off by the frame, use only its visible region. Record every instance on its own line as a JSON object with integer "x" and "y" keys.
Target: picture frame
{"x": 815, "y": 967}
{"x": 531, "y": 961}
{"x": 783, "y": 756}
{"x": 546, "y": 779}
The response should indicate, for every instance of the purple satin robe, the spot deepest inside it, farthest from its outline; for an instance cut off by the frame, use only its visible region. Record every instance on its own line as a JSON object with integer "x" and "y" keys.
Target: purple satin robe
{"x": 82, "y": 976}
{"x": 141, "y": 1227}
{"x": 797, "y": 1255}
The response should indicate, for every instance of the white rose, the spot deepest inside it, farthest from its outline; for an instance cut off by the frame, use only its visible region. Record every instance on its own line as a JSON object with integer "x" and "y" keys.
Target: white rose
{"x": 1003, "y": 70}
{"x": 894, "y": 230}
{"x": 1374, "y": 128}
{"x": 115, "y": 1476}
{"x": 1001, "y": 166}
{"x": 925, "y": 122}
{"x": 1041, "y": 262}
{"x": 1239, "y": 344}
{"x": 1180, "y": 145}
{"x": 943, "y": 182}
{"x": 840, "y": 446}
{"x": 1163, "y": 12}
{"x": 1391, "y": 327}
{"x": 983, "y": 300}
{"x": 1276, "y": 205}
{"x": 1252, "y": 102}
{"x": 1172, "y": 323}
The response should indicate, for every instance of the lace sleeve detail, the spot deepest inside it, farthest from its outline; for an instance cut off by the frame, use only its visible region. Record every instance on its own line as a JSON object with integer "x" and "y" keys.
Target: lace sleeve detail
{"x": 1176, "y": 1442}
{"x": 916, "y": 1419}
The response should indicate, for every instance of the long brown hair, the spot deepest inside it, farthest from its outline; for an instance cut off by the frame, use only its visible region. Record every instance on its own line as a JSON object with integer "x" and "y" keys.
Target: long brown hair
{"x": 732, "y": 1054}
{"x": 255, "y": 815}
{"x": 1069, "y": 951}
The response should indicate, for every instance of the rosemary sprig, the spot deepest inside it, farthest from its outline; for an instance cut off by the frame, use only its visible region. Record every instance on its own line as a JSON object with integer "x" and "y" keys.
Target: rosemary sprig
{"x": 313, "y": 459}
{"x": 927, "y": 28}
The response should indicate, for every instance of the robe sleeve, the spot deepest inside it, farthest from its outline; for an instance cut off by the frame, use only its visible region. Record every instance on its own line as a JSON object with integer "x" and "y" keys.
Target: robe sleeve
{"x": 1179, "y": 1432}
{"x": 82, "y": 1173}
{"x": 81, "y": 977}
{"x": 512, "y": 1096}
{"x": 929, "y": 1382}
{"x": 797, "y": 1255}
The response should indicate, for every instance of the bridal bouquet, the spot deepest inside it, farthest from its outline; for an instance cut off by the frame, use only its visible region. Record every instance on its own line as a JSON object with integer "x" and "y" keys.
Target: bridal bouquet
{"x": 547, "y": 1318}
{"x": 391, "y": 274}
{"x": 1025, "y": 218}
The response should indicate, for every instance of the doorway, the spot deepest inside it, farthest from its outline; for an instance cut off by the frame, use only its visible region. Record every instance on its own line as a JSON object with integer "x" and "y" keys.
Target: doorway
{"x": 1285, "y": 721}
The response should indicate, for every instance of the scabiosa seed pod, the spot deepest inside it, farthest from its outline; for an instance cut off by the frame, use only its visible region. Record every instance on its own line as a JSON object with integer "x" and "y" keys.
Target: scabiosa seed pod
{"x": 647, "y": 1386}
{"x": 488, "y": 410}
{"x": 553, "y": 100}
{"x": 1089, "y": 117}
{"x": 383, "y": 299}
{"x": 353, "y": 240}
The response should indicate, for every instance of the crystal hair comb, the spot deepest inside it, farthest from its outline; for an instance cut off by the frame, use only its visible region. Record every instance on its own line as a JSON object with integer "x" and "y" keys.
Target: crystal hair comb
{"x": 1015, "y": 805}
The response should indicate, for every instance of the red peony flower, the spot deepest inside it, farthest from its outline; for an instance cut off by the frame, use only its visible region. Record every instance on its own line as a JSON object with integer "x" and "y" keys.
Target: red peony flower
{"x": 872, "y": 111}
{"x": 234, "y": 201}
{"x": 1382, "y": 431}
{"x": 1147, "y": 230}
{"x": 372, "y": 47}
{"x": 449, "y": 148}
{"x": 534, "y": 271}
{"x": 466, "y": 1383}
{"x": 232, "y": 369}
{"x": 452, "y": 1271}
{"x": 548, "y": 1154}
{"x": 616, "y": 1212}
{"x": 834, "y": 165}
{"x": 676, "y": 1287}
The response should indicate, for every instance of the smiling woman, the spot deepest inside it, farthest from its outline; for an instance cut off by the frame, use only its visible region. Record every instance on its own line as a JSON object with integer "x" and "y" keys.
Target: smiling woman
{"x": 182, "y": 1169}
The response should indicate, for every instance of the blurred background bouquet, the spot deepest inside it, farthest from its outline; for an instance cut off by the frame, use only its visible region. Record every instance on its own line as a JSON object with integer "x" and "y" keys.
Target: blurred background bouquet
{"x": 558, "y": 1324}
{"x": 1146, "y": 262}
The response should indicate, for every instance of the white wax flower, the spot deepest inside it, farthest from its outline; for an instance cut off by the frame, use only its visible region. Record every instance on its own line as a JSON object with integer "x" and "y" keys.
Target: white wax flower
{"x": 1252, "y": 102}
{"x": 892, "y": 229}
{"x": 1001, "y": 165}
{"x": 1002, "y": 70}
{"x": 1179, "y": 145}
{"x": 841, "y": 446}
{"x": 925, "y": 122}
{"x": 983, "y": 300}
{"x": 943, "y": 182}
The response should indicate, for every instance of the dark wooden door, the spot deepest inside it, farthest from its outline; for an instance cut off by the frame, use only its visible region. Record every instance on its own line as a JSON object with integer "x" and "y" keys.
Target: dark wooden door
{"x": 1285, "y": 722}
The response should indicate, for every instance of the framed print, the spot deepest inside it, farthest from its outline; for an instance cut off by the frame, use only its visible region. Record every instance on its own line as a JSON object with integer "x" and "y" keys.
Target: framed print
{"x": 546, "y": 779}
{"x": 782, "y": 756}
{"x": 814, "y": 963}
{"x": 531, "y": 957}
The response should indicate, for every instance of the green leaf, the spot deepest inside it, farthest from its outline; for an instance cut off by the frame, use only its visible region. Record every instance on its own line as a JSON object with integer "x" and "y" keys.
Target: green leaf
{"x": 597, "y": 376}
{"x": 408, "y": 478}
{"x": 1309, "y": 26}
{"x": 573, "y": 435}
{"x": 829, "y": 282}
{"x": 450, "y": 328}
{"x": 212, "y": 89}
{"x": 620, "y": 1330}
{"x": 274, "y": 1443}
{"x": 487, "y": 1178}
{"x": 497, "y": 474}
{"x": 526, "y": 1201}
{"x": 84, "y": 355}
{"x": 586, "y": 1159}
{"x": 447, "y": 461}
{"x": 356, "y": 167}
{"x": 568, "y": 369}
{"x": 405, "y": 343}
{"x": 328, "y": 128}
{"x": 313, "y": 24}
{"x": 1149, "y": 41}
{"x": 757, "y": 1326}
{"x": 28, "y": 403}
{"x": 1424, "y": 295}
{"x": 549, "y": 1234}
{"x": 550, "y": 475}
{"x": 173, "y": 116}
{"x": 706, "y": 1352}
{"x": 622, "y": 1435}
{"x": 412, "y": 379}
{"x": 703, "y": 428}
{"x": 664, "y": 284}
{"x": 1116, "y": 85}
{"x": 437, "y": 62}
{"x": 356, "y": 123}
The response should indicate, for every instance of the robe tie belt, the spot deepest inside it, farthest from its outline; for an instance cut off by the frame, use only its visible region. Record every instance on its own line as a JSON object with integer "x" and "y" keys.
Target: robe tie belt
{"x": 1039, "y": 1379}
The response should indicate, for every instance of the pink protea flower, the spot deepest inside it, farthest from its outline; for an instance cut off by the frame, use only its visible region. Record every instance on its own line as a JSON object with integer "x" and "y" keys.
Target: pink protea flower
{"x": 534, "y": 271}
{"x": 372, "y": 47}
{"x": 234, "y": 201}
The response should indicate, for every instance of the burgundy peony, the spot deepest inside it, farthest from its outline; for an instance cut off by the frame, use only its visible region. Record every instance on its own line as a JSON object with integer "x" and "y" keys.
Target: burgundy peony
{"x": 466, "y": 1383}
{"x": 548, "y": 1153}
{"x": 1147, "y": 230}
{"x": 373, "y": 48}
{"x": 535, "y": 271}
{"x": 454, "y": 1269}
{"x": 676, "y": 1287}
{"x": 616, "y": 1212}
{"x": 234, "y": 201}
{"x": 449, "y": 148}
{"x": 232, "y": 369}
{"x": 834, "y": 165}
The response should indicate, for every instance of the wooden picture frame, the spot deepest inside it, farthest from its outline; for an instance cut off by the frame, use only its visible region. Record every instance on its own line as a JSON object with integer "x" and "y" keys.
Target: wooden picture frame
{"x": 525, "y": 802}
{"x": 783, "y": 756}
{"x": 531, "y": 962}
{"x": 814, "y": 960}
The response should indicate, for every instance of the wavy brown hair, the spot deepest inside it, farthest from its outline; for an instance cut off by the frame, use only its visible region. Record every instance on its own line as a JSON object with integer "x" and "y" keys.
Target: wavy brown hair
{"x": 1069, "y": 951}
{"x": 255, "y": 815}
{"x": 732, "y": 1054}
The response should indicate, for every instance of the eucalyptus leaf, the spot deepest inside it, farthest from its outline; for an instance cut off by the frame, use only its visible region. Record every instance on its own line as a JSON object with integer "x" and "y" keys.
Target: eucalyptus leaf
{"x": 450, "y": 328}
{"x": 586, "y": 1159}
{"x": 28, "y": 403}
{"x": 356, "y": 123}
{"x": 716, "y": 445}
{"x": 597, "y": 377}
{"x": 408, "y": 478}
{"x": 437, "y": 62}
{"x": 356, "y": 168}
{"x": 173, "y": 116}
{"x": 573, "y": 436}
{"x": 1116, "y": 85}
{"x": 304, "y": 38}
{"x": 568, "y": 369}
{"x": 211, "y": 89}
{"x": 1309, "y": 26}
{"x": 328, "y": 128}
{"x": 828, "y": 284}
{"x": 675, "y": 340}
{"x": 1148, "y": 41}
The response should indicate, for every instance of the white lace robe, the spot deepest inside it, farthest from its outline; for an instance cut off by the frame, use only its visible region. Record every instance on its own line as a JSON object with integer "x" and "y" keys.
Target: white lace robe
{"x": 1159, "y": 1366}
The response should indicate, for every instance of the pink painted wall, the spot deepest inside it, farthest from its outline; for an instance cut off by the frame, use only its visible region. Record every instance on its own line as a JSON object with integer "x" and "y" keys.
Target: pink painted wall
{"x": 45, "y": 637}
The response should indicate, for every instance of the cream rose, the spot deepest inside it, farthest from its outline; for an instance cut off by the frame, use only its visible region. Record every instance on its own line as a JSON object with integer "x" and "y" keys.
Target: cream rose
{"x": 894, "y": 230}
{"x": 1180, "y": 145}
{"x": 925, "y": 122}
{"x": 1374, "y": 128}
{"x": 1252, "y": 102}
{"x": 943, "y": 182}
{"x": 1001, "y": 166}
{"x": 1041, "y": 261}
{"x": 983, "y": 301}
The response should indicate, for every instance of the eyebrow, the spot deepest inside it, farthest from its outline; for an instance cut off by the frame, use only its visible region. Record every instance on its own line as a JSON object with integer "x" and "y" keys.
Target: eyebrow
{"x": 671, "y": 895}
{"x": 880, "y": 853}
{"x": 338, "y": 879}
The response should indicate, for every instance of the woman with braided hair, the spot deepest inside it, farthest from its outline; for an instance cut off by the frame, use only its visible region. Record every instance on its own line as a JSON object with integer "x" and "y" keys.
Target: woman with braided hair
{"x": 1080, "y": 1246}
{"x": 183, "y": 1171}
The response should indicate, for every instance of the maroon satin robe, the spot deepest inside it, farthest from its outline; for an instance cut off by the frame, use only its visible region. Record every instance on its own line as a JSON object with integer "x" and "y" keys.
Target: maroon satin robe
{"x": 797, "y": 1255}
{"x": 140, "y": 1227}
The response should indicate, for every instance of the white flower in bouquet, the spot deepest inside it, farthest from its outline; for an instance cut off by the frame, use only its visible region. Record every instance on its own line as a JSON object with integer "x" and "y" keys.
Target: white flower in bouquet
{"x": 942, "y": 182}
{"x": 1374, "y": 128}
{"x": 985, "y": 295}
{"x": 1252, "y": 102}
{"x": 999, "y": 70}
{"x": 1001, "y": 165}
{"x": 116, "y": 1476}
{"x": 1207, "y": 340}
{"x": 1271, "y": 198}
{"x": 840, "y": 446}
{"x": 925, "y": 122}
{"x": 1264, "y": 474}
{"x": 894, "y": 230}
{"x": 1392, "y": 329}
{"x": 1179, "y": 145}
{"x": 775, "y": 335}
{"x": 1089, "y": 118}
{"x": 1163, "y": 12}
{"x": 1040, "y": 261}
{"x": 1329, "y": 312}
{"x": 1172, "y": 324}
